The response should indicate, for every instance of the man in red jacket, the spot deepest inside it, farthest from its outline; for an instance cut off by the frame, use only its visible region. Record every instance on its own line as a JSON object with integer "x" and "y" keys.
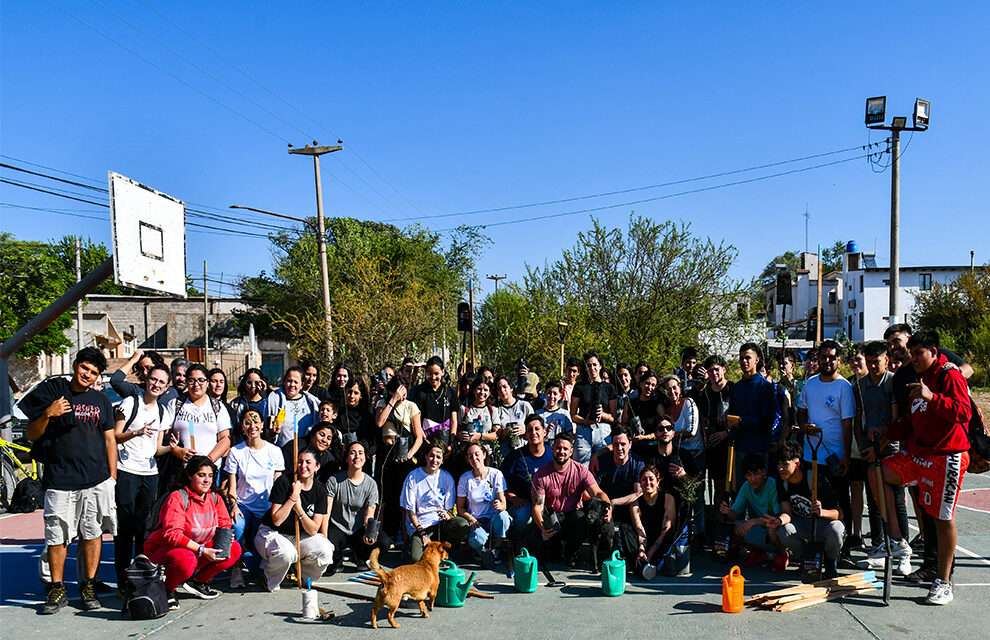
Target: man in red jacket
{"x": 936, "y": 451}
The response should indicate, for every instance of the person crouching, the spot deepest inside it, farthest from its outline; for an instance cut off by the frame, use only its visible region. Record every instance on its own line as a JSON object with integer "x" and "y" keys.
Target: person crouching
{"x": 303, "y": 499}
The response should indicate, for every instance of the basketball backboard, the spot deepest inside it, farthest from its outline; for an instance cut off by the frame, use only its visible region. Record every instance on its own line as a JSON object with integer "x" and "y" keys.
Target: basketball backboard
{"x": 149, "y": 237}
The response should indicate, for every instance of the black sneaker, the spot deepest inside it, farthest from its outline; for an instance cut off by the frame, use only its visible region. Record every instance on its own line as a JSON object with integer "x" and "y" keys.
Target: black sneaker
{"x": 918, "y": 544}
{"x": 854, "y": 543}
{"x": 87, "y": 595}
{"x": 199, "y": 590}
{"x": 56, "y": 599}
{"x": 173, "y": 602}
{"x": 921, "y": 575}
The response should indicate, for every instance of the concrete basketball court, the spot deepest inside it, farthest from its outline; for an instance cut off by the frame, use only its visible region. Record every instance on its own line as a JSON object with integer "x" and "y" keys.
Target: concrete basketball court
{"x": 687, "y": 607}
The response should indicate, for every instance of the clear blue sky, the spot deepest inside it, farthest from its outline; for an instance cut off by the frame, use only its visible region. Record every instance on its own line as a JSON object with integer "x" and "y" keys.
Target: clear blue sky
{"x": 456, "y": 106}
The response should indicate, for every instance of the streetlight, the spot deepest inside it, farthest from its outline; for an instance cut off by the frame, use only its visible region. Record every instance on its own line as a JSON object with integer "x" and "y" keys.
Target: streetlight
{"x": 876, "y": 108}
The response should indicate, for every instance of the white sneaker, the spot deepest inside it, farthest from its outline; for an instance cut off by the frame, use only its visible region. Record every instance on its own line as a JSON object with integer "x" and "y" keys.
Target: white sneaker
{"x": 902, "y": 566}
{"x": 871, "y": 562}
{"x": 940, "y": 592}
{"x": 900, "y": 549}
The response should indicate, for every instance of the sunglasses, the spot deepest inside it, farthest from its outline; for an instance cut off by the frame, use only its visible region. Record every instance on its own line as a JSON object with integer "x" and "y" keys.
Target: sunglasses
{"x": 665, "y": 427}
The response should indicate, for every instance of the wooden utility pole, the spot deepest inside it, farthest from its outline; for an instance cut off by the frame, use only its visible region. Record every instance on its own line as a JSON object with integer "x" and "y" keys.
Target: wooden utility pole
{"x": 316, "y": 151}
{"x": 79, "y": 328}
{"x": 206, "y": 322}
{"x": 819, "y": 330}
{"x": 474, "y": 357}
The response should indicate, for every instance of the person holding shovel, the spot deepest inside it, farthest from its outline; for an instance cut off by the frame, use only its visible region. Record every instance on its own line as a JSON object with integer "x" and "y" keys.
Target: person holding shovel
{"x": 804, "y": 516}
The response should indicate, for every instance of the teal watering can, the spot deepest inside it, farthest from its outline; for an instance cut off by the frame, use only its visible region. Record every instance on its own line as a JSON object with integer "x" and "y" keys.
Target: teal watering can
{"x": 614, "y": 576}
{"x": 453, "y": 589}
{"x": 524, "y": 566}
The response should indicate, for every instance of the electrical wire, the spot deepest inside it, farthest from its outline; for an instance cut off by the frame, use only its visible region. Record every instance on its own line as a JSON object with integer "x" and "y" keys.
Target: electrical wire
{"x": 671, "y": 183}
{"x": 550, "y": 216}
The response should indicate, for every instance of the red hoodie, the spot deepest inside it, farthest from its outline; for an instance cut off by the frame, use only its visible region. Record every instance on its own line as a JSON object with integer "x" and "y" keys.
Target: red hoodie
{"x": 938, "y": 426}
{"x": 179, "y": 524}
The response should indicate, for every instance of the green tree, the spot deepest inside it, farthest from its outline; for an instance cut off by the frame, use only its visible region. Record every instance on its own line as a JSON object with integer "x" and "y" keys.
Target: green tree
{"x": 960, "y": 312}
{"x": 642, "y": 292}
{"x": 393, "y": 291}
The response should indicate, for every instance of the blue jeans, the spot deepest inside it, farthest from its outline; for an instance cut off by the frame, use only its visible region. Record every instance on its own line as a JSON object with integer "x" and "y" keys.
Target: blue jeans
{"x": 520, "y": 518}
{"x": 497, "y": 526}
{"x": 245, "y": 529}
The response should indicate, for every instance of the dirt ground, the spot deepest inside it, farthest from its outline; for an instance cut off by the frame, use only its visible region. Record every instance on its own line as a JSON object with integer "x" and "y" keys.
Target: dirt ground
{"x": 982, "y": 396}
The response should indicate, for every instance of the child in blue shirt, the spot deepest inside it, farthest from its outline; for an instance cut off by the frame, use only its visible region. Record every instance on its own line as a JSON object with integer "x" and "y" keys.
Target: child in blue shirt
{"x": 755, "y": 507}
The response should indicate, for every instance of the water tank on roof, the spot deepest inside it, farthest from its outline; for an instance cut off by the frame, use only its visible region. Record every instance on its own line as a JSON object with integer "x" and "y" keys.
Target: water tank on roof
{"x": 852, "y": 247}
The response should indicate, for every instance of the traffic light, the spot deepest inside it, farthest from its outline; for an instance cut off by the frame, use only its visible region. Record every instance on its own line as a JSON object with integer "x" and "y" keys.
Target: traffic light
{"x": 463, "y": 316}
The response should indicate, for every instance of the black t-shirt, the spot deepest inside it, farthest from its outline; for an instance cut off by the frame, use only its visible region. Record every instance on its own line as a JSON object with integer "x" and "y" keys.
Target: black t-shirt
{"x": 591, "y": 393}
{"x": 614, "y": 480}
{"x": 331, "y": 460}
{"x": 313, "y": 501}
{"x": 652, "y": 517}
{"x": 646, "y": 411}
{"x": 72, "y": 448}
{"x": 356, "y": 423}
{"x": 436, "y": 407}
{"x": 906, "y": 375}
{"x": 662, "y": 462}
{"x": 799, "y": 495}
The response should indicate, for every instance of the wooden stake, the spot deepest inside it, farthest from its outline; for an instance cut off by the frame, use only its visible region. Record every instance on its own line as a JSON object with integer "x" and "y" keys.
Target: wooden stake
{"x": 295, "y": 471}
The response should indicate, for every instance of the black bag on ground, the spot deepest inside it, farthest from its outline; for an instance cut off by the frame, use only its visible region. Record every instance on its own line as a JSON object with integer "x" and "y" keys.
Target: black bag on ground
{"x": 28, "y": 496}
{"x": 145, "y": 595}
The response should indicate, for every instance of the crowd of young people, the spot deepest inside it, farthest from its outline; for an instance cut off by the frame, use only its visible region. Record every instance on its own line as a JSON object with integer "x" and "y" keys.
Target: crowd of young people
{"x": 626, "y": 459}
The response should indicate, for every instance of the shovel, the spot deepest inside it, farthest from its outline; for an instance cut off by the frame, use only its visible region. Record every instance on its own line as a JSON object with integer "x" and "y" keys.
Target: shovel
{"x": 813, "y": 551}
{"x": 725, "y": 527}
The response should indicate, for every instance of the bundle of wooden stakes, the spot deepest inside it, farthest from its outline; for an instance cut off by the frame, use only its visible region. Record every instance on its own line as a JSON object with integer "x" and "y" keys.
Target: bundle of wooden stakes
{"x": 807, "y": 595}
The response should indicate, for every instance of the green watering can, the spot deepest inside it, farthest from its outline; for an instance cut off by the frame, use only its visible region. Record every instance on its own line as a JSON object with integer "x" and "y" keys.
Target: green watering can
{"x": 453, "y": 589}
{"x": 614, "y": 576}
{"x": 525, "y": 569}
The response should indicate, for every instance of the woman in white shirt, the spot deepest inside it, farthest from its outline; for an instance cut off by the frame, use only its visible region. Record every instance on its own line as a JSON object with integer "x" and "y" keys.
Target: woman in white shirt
{"x": 428, "y": 498}
{"x": 139, "y": 431}
{"x": 481, "y": 501}
{"x": 201, "y": 424}
{"x": 253, "y": 465}
{"x": 401, "y": 439}
{"x": 509, "y": 417}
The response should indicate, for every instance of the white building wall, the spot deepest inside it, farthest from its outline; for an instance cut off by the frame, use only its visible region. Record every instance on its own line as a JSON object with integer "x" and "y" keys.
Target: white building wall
{"x": 874, "y": 301}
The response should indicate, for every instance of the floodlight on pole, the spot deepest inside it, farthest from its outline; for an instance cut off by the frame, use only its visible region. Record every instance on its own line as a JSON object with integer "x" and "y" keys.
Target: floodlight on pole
{"x": 875, "y": 114}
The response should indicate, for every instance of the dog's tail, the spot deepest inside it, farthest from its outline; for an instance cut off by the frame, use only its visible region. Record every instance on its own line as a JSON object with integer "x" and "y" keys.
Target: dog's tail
{"x": 373, "y": 563}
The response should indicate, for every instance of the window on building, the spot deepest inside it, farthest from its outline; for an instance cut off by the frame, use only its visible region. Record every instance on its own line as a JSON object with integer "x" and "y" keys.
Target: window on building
{"x": 831, "y": 297}
{"x": 861, "y": 284}
{"x": 850, "y": 323}
{"x": 925, "y": 281}
{"x": 861, "y": 319}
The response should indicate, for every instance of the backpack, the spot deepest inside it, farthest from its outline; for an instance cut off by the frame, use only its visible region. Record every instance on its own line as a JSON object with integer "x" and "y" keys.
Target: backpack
{"x": 137, "y": 407}
{"x": 145, "y": 595}
{"x": 153, "y": 520}
{"x": 979, "y": 435}
{"x": 28, "y": 496}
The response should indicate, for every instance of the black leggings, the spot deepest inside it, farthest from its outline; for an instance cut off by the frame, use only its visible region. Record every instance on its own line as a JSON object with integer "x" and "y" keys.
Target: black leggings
{"x": 354, "y": 541}
{"x": 135, "y": 496}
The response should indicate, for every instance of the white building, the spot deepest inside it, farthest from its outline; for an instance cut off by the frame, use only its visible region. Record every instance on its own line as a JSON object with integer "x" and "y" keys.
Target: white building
{"x": 855, "y": 300}
{"x": 866, "y": 294}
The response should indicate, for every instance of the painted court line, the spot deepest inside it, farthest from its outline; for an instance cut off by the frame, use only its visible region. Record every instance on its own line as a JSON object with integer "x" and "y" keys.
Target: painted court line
{"x": 964, "y": 550}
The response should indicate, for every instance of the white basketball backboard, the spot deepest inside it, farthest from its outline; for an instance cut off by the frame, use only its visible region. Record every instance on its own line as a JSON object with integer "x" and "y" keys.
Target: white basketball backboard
{"x": 149, "y": 237}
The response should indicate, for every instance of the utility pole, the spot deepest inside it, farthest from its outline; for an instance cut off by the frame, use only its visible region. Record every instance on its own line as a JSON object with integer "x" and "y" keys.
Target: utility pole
{"x": 474, "y": 357}
{"x": 316, "y": 151}
{"x": 206, "y": 322}
{"x": 819, "y": 330}
{"x": 79, "y": 330}
{"x": 875, "y": 115}
{"x": 972, "y": 261}
{"x": 807, "y": 216}
{"x": 496, "y": 278}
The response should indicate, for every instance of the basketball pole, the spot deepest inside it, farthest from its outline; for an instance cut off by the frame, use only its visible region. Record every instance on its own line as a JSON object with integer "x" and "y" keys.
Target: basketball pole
{"x": 40, "y": 322}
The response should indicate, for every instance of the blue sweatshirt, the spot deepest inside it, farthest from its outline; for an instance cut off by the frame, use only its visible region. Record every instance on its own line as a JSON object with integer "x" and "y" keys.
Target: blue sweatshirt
{"x": 753, "y": 400}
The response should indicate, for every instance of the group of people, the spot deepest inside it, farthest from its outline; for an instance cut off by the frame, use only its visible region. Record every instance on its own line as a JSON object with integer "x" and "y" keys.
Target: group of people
{"x": 625, "y": 459}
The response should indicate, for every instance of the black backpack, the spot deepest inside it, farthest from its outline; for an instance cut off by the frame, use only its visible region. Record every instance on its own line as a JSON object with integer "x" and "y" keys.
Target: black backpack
{"x": 979, "y": 434}
{"x": 28, "y": 496}
{"x": 145, "y": 595}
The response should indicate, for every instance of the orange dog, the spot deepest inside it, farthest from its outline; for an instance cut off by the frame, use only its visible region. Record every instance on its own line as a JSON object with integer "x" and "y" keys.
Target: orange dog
{"x": 419, "y": 581}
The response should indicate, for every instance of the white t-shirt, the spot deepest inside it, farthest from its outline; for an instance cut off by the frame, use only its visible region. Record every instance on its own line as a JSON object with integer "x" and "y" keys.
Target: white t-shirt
{"x": 828, "y": 404}
{"x": 303, "y": 409}
{"x": 254, "y": 470}
{"x": 137, "y": 455}
{"x": 427, "y": 495}
{"x": 481, "y": 491}
{"x": 199, "y": 425}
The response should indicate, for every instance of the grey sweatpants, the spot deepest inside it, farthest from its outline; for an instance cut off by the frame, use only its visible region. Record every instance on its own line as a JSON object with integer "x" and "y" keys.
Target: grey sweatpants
{"x": 795, "y": 533}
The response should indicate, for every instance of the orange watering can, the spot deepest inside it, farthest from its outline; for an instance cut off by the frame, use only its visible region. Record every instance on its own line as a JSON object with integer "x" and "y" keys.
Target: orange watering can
{"x": 732, "y": 591}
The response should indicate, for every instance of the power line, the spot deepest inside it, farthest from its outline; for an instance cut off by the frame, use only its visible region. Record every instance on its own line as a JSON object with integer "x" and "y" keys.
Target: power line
{"x": 278, "y": 96}
{"x": 657, "y": 198}
{"x": 659, "y": 185}
{"x": 50, "y": 177}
